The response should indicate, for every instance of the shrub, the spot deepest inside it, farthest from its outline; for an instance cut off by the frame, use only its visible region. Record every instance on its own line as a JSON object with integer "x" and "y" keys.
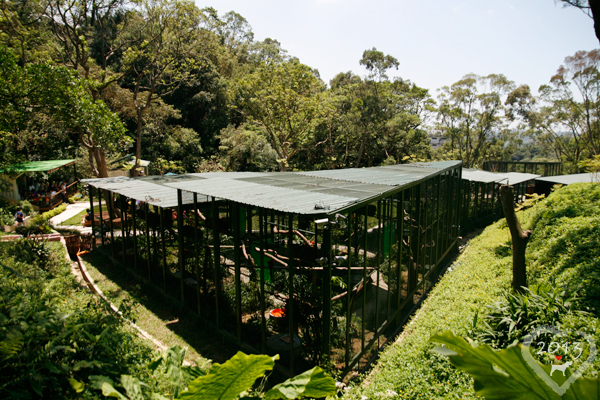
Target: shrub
{"x": 518, "y": 314}
{"x": 6, "y": 218}
{"x": 52, "y": 331}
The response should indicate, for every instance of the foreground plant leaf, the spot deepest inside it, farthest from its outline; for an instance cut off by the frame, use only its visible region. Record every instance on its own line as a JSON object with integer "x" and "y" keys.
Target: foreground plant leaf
{"x": 311, "y": 383}
{"x": 229, "y": 380}
{"x": 505, "y": 374}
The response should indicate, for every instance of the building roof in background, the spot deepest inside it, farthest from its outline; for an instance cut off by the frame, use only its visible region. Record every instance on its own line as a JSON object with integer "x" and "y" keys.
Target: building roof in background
{"x": 41, "y": 166}
{"x": 392, "y": 175}
{"x": 149, "y": 189}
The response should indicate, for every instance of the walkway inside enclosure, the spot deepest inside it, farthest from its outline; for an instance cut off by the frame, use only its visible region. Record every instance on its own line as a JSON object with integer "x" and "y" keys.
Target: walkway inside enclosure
{"x": 317, "y": 266}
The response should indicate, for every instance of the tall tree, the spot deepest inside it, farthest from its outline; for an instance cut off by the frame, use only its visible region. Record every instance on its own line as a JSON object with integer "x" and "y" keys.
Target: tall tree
{"x": 23, "y": 29}
{"x": 285, "y": 98}
{"x": 373, "y": 101}
{"x": 378, "y": 64}
{"x": 164, "y": 36}
{"x": 471, "y": 115}
{"x": 61, "y": 97}
{"x": 591, "y": 8}
{"x": 570, "y": 126}
{"x": 89, "y": 36}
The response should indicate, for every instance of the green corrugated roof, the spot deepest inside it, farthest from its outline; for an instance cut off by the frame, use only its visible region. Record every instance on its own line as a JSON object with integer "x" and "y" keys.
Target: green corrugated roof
{"x": 314, "y": 192}
{"x": 150, "y": 189}
{"x": 41, "y": 166}
{"x": 568, "y": 179}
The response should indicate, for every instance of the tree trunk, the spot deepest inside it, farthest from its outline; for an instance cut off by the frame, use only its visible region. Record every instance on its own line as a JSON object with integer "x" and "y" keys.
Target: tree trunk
{"x": 519, "y": 238}
{"x": 360, "y": 152}
{"x": 138, "y": 143}
{"x": 595, "y": 7}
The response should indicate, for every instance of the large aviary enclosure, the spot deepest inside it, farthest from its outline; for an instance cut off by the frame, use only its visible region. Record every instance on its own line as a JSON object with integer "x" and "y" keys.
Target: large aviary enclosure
{"x": 526, "y": 167}
{"x": 544, "y": 185}
{"x": 319, "y": 267}
{"x": 481, "y": 204}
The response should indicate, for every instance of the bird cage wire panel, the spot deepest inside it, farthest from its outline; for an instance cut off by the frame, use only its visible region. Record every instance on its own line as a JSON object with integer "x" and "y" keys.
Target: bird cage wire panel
{"x": 386, "y": 255}
{"x": 531, "y": 167}
{"x": 314, "y": 292}
{"x": 481, "y": 204}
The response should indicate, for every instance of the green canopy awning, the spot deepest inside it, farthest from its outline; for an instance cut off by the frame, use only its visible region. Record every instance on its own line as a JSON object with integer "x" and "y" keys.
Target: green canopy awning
{"x": 40, "y": 166}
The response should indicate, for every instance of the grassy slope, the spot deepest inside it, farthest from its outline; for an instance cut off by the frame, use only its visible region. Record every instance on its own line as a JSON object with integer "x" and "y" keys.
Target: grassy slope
{"x": 162, "y": 319}
{"x": 565, "y": 234}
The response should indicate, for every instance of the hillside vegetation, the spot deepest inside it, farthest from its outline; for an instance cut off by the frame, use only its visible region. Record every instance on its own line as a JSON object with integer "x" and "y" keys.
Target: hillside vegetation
{"x": 563, "y": 261}
{"x": 54, "y": 333}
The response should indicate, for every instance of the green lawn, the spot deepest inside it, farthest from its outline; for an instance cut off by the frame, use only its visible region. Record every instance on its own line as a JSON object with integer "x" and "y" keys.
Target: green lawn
{"x": 76, "y": 220}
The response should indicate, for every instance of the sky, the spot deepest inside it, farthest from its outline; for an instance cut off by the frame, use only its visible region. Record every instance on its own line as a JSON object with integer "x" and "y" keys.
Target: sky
{"x": 437, "y": 42}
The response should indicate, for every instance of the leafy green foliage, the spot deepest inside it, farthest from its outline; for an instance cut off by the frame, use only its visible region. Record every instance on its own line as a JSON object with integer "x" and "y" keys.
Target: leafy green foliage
{"x": 505, "y": 374}
{"x": 312, "y": 383}
{"x": 246, "y": 149}
{"x": 37, "y": 94}
{"x": 226, "y": 381}
{"x": 6, "y": 217}
{"x": 177, "y": 374}
{"x": 52, "y": 332}
{"x": 563, "y": 251}
{"x": 286, "y": 99}
{"x": 518, "y": 314}
{"x": 229, "y": 380}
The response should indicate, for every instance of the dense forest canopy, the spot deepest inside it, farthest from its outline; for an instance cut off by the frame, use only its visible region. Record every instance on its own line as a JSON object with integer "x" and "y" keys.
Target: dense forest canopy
{"x": 192, "y": 90}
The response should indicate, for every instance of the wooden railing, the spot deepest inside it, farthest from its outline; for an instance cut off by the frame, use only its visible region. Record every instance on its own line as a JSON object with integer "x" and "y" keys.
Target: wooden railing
{"x": 45, "y": 203}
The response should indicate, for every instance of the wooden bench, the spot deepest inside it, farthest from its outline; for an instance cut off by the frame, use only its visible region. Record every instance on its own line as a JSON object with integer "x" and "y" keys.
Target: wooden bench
{"x": 98, "y": 219}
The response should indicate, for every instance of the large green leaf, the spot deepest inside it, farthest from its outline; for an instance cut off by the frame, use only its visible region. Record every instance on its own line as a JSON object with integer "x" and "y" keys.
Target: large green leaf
{"x": 133, "y": 387}
{"x": 229, "y": 380}
{"x": 311, "y": 383}
{"x": 505, "y": 374}
{"x": 76, "y": 385}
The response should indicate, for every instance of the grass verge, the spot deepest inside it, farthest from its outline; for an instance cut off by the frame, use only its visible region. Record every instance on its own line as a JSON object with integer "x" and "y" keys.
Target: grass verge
{"x": 162, "y": 318}
{"x": 76, "y": 219}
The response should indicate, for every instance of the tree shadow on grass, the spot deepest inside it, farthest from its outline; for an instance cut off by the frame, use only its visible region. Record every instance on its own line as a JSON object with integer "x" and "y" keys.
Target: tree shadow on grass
{"x": 200, "y": 336}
